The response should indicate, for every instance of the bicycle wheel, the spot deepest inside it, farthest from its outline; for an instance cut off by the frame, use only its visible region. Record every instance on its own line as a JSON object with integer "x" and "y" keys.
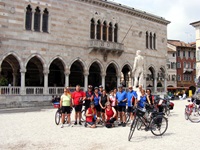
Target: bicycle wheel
{"x": 132, "y": 128}
{"x": 139, "y": 124}
{"x": 158, "y": 125}
{"x": 57, "y": 117}
{"x": 127, "y": 117}
{"x": 186, "y": 113}
{"x": 83, "y": 117}
{"x": 195, "y": 115}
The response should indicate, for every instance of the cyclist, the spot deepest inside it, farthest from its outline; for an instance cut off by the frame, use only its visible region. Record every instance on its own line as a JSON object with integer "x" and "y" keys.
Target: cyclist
{"x": 102, "y": 103}
{"x": 96, "y": 97}
{"x": 78, "y": 97}
{"x": 142, "y": 99}
{"x": 100, "y": 89}
{"x": 89, "y": 97}
{"x": 131, "y": 100}
{"x": 91, "y": 117}
{"x": 66, "y": 104}
{"x": 110, "y": 115}
{"x": 150, "y": 97}
{"x": 121, "y": 97}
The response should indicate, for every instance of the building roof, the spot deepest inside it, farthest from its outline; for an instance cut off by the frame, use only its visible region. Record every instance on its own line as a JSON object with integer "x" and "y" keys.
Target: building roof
{"x": 126, "y": 9}
{"x": 170, "y": 50}
{"x": 178, "y": 43}
{"x": 194, "y": 24}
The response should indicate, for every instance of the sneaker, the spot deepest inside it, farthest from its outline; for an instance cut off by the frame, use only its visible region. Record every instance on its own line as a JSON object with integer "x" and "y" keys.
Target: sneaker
{"x": 69, "y": 125}
{"x": 62, "y": 125}
{"x": 123, "y": 124}
{"x": 85, "y": 124}
{"x": 75, "y": 123}
{"x": 120, "y": 124}
{"x": 80, "y": 123}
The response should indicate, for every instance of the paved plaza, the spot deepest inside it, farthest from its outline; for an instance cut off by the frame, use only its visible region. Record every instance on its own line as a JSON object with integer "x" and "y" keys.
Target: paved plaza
{"x": 34, "y": 128}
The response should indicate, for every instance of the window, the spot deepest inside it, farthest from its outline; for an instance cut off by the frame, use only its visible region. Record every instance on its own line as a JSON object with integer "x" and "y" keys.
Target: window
{"x": 98, "y": 30}
{"x": 92, "y": 29}
{"x": 154, "y": 41}
{"x": 168, "y": 78}
{"x": 173, "y": 54}
{"x": 150, "y": 40}
{"x": 110, "y": 32}
{"x": 173, "y": 65}
{"x": 173, "y": 77}
{"x": 183, "y": 53}
{"x": 168, "y": 66}
{"x": 185, "y": 65}
{"x": 178, "y": 78}
{"x": 189, "y": 54}
{"x": 28, "y": 22}
{"x": 178, "y": 65}
{"x": 45, "y": 20}
{"x": 189, "y": 65}
{"x": 105, "y": 31}
{"x": 116, "y": 33}
{"x": 185, "y": 77}
{"x": 194, "y": 66}
{"x": 147, "y": 40}
{"x": 194, "y": 54}
{"x": 178, "y": 53}
{"x": 37, "y": 19}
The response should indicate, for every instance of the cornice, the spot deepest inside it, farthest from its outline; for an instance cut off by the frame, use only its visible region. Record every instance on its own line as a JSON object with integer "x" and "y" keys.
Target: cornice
{"x": 127, "y": 10}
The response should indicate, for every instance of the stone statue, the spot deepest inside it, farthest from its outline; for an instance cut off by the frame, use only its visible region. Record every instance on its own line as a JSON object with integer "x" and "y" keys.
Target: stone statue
{"x": 138, "y": 69}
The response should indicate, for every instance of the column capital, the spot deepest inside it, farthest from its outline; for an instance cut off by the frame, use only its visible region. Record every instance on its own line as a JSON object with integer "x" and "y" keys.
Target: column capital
{"x": 103, "y": 74}
{"x": 46, "y": 71}
{"x": 23, "y": 70}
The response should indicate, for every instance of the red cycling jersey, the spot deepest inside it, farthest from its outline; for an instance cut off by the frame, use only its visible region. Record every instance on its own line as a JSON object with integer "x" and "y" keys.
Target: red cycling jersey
{"x": 90, "y": 111}
{"x": 109, "y": 113}
{"x": 76, "y": 95}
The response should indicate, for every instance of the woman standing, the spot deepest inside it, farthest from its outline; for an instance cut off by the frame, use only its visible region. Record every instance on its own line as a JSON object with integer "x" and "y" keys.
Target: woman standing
{"x": 113, "y": 101}
{"x": 65, "y": 105}
{"x": 96, "y": 100}
{"x": 102, "y": 103}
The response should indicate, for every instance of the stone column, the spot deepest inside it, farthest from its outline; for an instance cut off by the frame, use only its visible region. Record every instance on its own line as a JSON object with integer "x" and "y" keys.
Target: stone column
{"x": 118, "y": 80}
{"x": 103, "y": 80}
{"x": 95, "y": 31}
{"x": 41, "y": 20}
{"x": 101, "y": 34}
{"x": 165, "y": 84}
{"x": 155, "y": 83}
{"x": 67, "y": 72}
{"x": 46, "y": 72}
{"x": 32, "y": 24}
{"x": 144, "y": 82}
{"x": 22, "y": 91}
{"x": 86, "y": 81}
{"x": 14, "y": 78}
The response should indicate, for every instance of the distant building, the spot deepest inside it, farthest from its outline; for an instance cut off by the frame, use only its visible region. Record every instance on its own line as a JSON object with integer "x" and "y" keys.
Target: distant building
{"x": 196, "y": 25}
{"x": 185, "y": 64}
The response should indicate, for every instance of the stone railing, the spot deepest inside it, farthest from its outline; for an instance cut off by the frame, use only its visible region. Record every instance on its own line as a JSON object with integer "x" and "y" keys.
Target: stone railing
{"x": 9, "y": 90}
{"x": 106, "y": 45}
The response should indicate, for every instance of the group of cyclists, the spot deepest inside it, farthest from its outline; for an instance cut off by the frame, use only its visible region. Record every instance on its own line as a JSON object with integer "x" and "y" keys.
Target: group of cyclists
{"x": 102, "y": 107}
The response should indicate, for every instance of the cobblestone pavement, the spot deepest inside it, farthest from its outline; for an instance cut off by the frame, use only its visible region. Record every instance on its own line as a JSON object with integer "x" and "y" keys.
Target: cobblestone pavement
{"x": 34, "y": 128}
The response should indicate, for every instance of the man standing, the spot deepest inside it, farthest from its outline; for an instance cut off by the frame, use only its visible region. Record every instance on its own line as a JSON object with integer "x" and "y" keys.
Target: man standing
{"x": 121, "y": 97}
{"x": 131, "y": 99}
{"x": 89, "y": 97}
{"x": 77, "y": 100}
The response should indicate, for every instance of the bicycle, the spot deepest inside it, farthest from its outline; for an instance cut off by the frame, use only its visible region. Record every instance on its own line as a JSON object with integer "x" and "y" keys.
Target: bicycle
{"x": 157, "y": 124}
{"x": 58, "y": 113}
{"x": 192, "y": 111}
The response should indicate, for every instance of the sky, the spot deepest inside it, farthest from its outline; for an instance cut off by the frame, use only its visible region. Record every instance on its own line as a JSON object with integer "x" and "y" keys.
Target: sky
{"x": 179, "y": 12}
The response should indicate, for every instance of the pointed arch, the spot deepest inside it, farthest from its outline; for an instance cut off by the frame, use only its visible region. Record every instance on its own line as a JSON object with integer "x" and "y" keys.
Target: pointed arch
{"x": 147, "y": 39}
{"x": 92, "y": 28}
{"x": 105, "y": 28}
{"x": 110, "y": 32}
{"x": 45, "y": 20}
{"x": 37, "y": 16}
{"x": 116, "y": 33}
{"x": 98, "y": 34}
{"x": 28, "y": 21}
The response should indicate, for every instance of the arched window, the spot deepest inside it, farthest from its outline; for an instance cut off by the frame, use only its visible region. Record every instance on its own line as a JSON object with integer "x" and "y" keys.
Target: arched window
{"x": 45, "y": 20}
{"x": 116, "y": 33}
{"x": 98, "y": 30}
{"x": 110, "y": 32}
{"x": 37, "y": 19}
{"x": 150, "y": 40}
{"x": 28, "y": 23}
{"x": 154, "y": 41}
{"x": 105, "y": 31}
{"x": 147, "y": 40}
{"x": 92, "y": 29}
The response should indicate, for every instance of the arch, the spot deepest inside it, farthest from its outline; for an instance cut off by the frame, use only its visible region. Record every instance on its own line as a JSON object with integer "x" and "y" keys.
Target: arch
{"x": 37, "y": 16}
{"x": 125, "y": 79}
{"x": 10, "y": 69}
{"x": 56, "y": 76}
{"x": 57, "y": 57}
{"x": 105, "y": 28}
{"x": 147, "y": 39}
{"x": 98, "y": 34}
{"x": 115, "y": 65}
{"x": 99, "y": 63}
{"x": 110, "y": 32}
{"x": 81, "y": 62}
{"x": 150, "y": 75}
{"x": 39, "y": 57}
{"x": 76, "y": 74}
{"x": 116, "y": 33}
{"x": 94, "y": 77}
{"x": 92, "y": 28}
{"x": 45, "y": 20}
{"x": 34, "y": 72}
{"x": 28, "y": 22}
